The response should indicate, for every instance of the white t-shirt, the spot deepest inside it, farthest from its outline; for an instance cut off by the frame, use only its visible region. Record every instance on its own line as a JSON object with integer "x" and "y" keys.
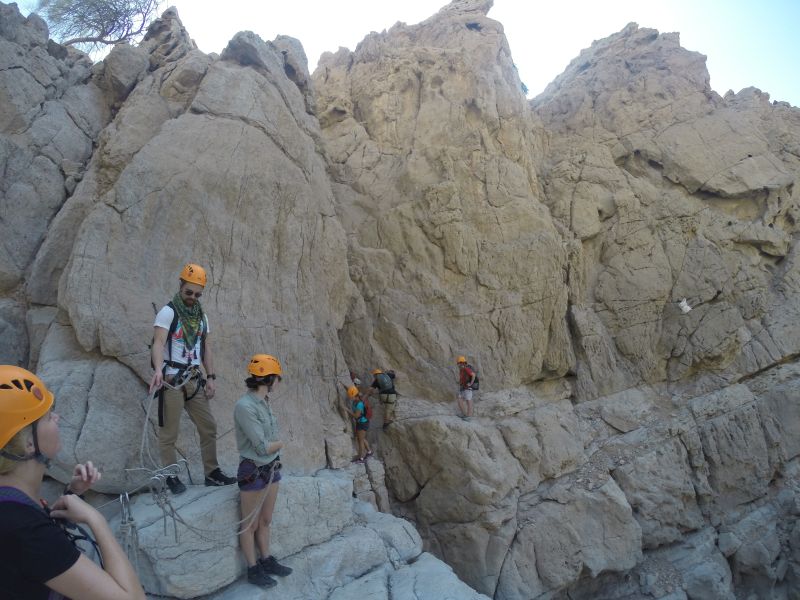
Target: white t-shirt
{"x": 179, "y": 352}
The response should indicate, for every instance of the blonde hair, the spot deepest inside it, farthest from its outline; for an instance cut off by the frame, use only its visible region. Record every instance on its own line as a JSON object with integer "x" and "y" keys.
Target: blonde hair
{"x": 17, "y": 445}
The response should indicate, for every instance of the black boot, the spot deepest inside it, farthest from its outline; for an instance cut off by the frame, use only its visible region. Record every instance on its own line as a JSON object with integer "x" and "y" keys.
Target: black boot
{"x": 218, "y": 478}
{"x": 273, "y": 567}
{"x": 175, "y": 485}
{"x": 257, "y": 576}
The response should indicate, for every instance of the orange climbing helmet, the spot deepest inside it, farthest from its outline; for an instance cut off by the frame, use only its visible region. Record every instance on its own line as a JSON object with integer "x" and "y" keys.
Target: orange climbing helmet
{"x": 23, "y": 400}
{"x": 352, "y": 391}
{"x": 461, "y": 360}
{"x": 193, "y": 273}
{"x": 376, "y": 371}
{"x": 262, "y": 365}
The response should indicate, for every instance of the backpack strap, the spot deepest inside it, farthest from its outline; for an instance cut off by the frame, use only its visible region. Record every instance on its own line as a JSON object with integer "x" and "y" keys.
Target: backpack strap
{"x": 15, "y": 496}
{"x": 172, "y": 327}
{"x": 203, "y": 337}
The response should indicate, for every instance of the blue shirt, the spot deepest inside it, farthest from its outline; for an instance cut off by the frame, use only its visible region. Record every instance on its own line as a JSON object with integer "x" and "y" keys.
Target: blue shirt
{"x": 358, "y": 405}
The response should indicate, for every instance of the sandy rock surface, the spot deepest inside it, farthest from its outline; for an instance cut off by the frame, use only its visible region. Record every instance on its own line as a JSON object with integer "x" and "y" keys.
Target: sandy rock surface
{"x": 617, "y": 257}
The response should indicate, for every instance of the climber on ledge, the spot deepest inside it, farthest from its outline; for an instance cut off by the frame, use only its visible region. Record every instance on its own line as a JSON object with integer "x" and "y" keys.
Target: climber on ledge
{"x": 383, "y": 385}
{"x": 360, "y": 413}
{"x": 182, "y": 335}
{"x": 38, "y": 559}
{"x": 260, "y": 467}
{"x": 466, "y": 381}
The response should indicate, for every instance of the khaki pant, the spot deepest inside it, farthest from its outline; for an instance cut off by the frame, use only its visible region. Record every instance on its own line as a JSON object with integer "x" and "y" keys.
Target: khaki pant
{"x": 200, "y": 414}
{"x": 389, "y": 402}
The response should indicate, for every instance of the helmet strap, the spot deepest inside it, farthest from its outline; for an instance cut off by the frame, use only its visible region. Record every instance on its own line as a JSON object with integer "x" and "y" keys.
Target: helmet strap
{"x": 37, "y": 454}
{"x": 15, "y": 457}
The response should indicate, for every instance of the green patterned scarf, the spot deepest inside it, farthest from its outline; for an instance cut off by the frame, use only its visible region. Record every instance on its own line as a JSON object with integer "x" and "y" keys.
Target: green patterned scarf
{"x": 191, "y": 319}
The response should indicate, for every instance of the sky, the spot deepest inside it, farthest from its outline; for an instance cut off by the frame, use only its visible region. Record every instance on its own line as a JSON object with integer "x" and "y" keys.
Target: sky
{"x": 747, "y": 42}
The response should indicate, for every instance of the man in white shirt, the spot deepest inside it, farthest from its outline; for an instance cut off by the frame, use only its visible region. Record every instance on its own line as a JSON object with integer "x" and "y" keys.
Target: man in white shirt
{"x": 180, "y": 347}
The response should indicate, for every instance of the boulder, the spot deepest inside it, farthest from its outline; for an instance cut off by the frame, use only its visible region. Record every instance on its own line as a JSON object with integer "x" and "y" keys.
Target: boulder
{"x": 198, "y": 552}
{"x": 658, "y": 485}
{"x": 566, "y": 532}
{"x": 702, "y": 566}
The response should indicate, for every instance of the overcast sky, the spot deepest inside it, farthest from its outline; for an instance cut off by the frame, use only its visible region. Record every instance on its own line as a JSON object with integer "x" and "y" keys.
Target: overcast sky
{"x": 747, "y": 42}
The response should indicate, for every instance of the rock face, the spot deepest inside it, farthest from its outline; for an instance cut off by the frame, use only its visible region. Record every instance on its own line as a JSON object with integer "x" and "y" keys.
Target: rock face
{"x": 656, "y": 189}
{"x": 261, "y": 220}
{"x": 335, "y": 544}
{"x": 617, "y": 257}
{"x": 451, "y": 246}
{"x": 51, "y": 114}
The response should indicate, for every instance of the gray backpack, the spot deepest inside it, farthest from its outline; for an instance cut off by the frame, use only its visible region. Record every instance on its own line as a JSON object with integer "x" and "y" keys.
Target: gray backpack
{"x": 385, "y": 383}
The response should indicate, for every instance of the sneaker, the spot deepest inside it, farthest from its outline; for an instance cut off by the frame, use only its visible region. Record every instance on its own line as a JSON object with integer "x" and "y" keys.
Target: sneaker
{"x": 358, "y": 461}
{"x": 175, "y": 485}
{"x": 217, "y": 477}
{"x": 370, "y": 453}
{"x": 270, "y": 566}
{"x": 257, "y": 576}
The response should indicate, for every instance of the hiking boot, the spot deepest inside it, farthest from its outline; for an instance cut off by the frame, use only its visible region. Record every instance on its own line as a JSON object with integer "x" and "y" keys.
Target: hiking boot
{"x": 257, "y": 576}
{"x": 270, "y": 566}
{"x": 175, "y": 485}
{"x": 218, "y": 478}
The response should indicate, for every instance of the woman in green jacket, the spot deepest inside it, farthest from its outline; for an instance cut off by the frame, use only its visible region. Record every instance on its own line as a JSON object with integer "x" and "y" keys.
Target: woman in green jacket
{"x": 257, "y": 438}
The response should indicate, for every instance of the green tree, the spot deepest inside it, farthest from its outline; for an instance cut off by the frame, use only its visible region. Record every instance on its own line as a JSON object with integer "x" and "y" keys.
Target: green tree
{"x": 96, "y": 22}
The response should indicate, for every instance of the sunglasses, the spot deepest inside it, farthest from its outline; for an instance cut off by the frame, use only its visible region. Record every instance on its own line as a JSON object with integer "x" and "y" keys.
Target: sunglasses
{"x": 190, "y": 293}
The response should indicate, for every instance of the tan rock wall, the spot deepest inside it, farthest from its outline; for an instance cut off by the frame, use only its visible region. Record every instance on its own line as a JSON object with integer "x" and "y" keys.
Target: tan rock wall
{"x": 406, "y": 205}
{"x": 450, "y": 245}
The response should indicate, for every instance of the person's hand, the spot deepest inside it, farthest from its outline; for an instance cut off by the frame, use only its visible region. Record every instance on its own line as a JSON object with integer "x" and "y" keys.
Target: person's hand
{"x": 83, "y": 477}
{"x": 156, "y": 381}
{"x": 73, "y": 509}
{"x": 211, "y": 388}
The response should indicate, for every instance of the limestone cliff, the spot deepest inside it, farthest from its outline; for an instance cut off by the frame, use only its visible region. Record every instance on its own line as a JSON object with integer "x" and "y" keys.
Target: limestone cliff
{"x": 619, "y": 435}
{"x": 403, "y": 205}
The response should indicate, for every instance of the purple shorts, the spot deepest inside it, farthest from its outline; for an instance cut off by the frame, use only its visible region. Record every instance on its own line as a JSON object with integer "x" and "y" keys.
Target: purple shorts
{"x": 253, "y": 478}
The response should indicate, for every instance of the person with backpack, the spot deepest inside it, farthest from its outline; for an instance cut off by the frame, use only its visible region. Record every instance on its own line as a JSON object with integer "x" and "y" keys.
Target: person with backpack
{"x": 180, "y": 347}
{"x": 38, "y": 559}
{"x": 361, "y": 413}
{"x": 383, "y": 385}
{"x": 260, "y": 467}
{"x": 467, "y": 382}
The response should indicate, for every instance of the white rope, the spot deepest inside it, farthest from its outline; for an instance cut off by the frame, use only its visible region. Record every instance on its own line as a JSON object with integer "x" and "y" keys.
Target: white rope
{"x": 158, "y": 489}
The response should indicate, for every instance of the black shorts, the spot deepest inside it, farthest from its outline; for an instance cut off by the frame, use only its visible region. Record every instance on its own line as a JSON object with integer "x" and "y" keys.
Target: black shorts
{"x": 253, "y": 478}
{"x": 362, "y": 426}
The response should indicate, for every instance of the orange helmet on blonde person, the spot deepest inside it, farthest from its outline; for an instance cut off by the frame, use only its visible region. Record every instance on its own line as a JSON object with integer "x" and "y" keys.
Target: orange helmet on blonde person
{"x": 352, "y": 391}
{"x": 24, "y": 399}
{"x": 193, "y": 273}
